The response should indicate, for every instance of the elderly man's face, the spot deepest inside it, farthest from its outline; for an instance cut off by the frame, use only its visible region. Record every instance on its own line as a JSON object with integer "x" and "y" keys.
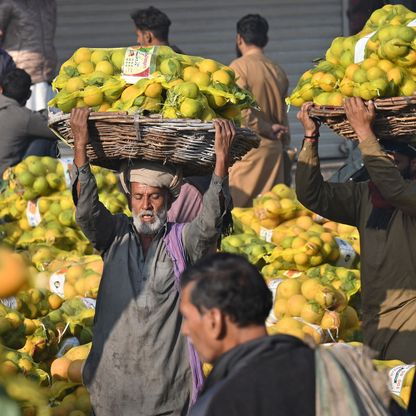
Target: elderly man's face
{"x": 149, "y": 207}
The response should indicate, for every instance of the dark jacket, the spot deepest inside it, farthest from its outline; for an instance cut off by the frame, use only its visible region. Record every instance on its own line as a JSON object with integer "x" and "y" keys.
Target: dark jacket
{"x": 268, "y": 376}
{"x": 6, "y": 63}
{"x": 18, "y": 127}
{"x": 28, "y": 28}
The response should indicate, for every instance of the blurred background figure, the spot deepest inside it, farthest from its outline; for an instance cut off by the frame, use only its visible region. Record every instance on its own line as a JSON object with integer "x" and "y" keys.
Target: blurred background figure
{"x": 23, "y": 132}
{"x": 6, "y": 63}
{"x": 27, "y": 31}
{"x": 152, "y": 28}
{"x": 268, "y": 165}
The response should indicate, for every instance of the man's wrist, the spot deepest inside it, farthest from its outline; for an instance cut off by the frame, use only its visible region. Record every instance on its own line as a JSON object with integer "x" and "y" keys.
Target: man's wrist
{"x": 311, "y": 133}
{"x": 365, "y": 134}
{"x": 80, "y": 147}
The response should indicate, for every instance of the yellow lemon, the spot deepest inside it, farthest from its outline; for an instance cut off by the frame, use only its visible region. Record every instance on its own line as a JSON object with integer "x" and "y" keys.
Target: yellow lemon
{"x": 81, "y": 55}
{"x": 222, "y": 76}
{"x": 208, "y": 65}
{"x": 105, "y": 67}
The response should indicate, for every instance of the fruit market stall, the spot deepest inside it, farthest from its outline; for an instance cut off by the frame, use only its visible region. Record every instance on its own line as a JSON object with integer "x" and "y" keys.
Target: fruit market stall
{"x": 50, "y": 275}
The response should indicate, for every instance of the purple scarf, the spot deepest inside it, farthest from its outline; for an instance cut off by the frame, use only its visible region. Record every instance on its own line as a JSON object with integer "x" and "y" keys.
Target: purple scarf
{"x": 176, "y": 251}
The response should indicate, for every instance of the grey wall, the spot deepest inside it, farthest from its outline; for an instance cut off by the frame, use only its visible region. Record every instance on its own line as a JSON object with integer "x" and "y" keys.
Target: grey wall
{"x": 300, "y": 31}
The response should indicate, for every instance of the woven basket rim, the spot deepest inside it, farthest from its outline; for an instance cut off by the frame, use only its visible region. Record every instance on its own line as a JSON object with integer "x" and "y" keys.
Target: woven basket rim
{"x": 124, "y": 117}
{"x": 381, "y": 104}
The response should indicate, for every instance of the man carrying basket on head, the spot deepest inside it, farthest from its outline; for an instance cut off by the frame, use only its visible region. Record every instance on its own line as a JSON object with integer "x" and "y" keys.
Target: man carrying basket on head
{"x": 384, "y": 210}
{"x": 139, "y": 363}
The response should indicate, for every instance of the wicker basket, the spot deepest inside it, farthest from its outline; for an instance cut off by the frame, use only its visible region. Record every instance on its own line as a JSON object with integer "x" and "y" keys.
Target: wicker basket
{"x": 395, "y": 118}
{"x": 185, "y": 142}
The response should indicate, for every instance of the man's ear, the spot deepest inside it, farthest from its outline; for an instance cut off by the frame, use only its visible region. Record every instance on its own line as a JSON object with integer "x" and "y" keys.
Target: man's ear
{"x": 148, "y": 37}
{"x": 216, "y": 323}
{"x": 1, "y": 89}
{"x": 239, "y": 39}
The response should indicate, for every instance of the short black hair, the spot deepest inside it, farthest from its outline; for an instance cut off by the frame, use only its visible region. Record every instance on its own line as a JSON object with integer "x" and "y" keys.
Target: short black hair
{"x": 396, "y": 146}
{"x": 153, "y": 20}
{"x": 253, "y": 29}
{"x": 16, "y": 85}
{"x": 233, "y": 285}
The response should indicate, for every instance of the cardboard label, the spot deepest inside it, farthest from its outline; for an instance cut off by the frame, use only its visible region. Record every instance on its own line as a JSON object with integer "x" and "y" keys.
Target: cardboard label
{"x": 266, "y": 234}
{"x": 57, "y": 283}
{"x": 397, "y": 376}
{"x": 67, "y": 345}
{"x": 89, "y": 302}
{"x": 347, "y": 254}
{"x": 138, "y": 63}
{"x": 67, "y": 164}
{"x": 10, "y": 302}
{"x": 273, "y": 285}
{"x": 32, "y": 213}
{"x": 359, "y": 53}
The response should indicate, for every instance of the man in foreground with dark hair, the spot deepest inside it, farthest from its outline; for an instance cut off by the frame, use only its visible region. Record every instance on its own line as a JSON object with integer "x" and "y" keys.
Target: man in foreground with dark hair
{"x": 152, "y": 27}
{"x": 224, "y": 304}
{"x": 23, "y": 132}
{"x": 269, "y": 164}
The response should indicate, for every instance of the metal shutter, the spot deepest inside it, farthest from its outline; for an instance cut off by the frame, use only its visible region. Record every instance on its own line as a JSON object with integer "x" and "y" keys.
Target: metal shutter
{"x": 300, "y": 31}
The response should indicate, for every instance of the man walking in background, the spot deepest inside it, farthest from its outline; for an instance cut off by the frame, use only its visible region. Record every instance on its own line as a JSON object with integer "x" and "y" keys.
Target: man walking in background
{"x": 152, "y": 28}
{"x": 266, "y": 166}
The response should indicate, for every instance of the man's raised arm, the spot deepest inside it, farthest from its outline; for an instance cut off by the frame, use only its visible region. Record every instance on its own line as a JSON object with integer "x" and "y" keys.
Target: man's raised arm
{"x": 338, "y": 202}
{"x": 202, "y": 233}
{"x": 97, "y": 223}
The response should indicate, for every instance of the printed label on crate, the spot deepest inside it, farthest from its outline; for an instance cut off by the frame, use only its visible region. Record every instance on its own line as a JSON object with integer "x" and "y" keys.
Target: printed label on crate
{"x": 33, "y": 214}
{"x": 67, "y": 345}
{"x": 319, "y": 219}
{"x": 397, "y": 376}
{"x": 67, "y": 164}
{"x": 138, "y": 63}
{"x": 10, "y": 302}
{"x": 359, "y": 53}
{"x": 266, "y": 234}
{"x": 57, "y": 282}
{"x": 293, "y": 274}
{"x": 273, "y": 285}
{"x": 322, "y": 334}
{"x": 347, "y": 254}
{"x": 89, "y": 302}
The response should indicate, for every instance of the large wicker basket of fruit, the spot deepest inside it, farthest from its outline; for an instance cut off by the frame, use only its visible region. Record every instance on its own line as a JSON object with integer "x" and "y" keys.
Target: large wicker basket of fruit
{"x": 379, "y": 64}
{"x": 185, "y": 142}
{"x": 395, "y": 118}
{"x": 150, "y": 103}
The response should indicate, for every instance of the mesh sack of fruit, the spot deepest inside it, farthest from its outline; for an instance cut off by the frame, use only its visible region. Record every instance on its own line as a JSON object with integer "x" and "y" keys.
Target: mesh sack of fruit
{"x": 149, "y": 80}
{"x": 378, "y": 62}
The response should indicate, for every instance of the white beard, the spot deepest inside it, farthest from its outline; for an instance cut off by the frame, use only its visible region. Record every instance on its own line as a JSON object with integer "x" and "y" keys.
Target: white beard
{"x": 150, "y": 228}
